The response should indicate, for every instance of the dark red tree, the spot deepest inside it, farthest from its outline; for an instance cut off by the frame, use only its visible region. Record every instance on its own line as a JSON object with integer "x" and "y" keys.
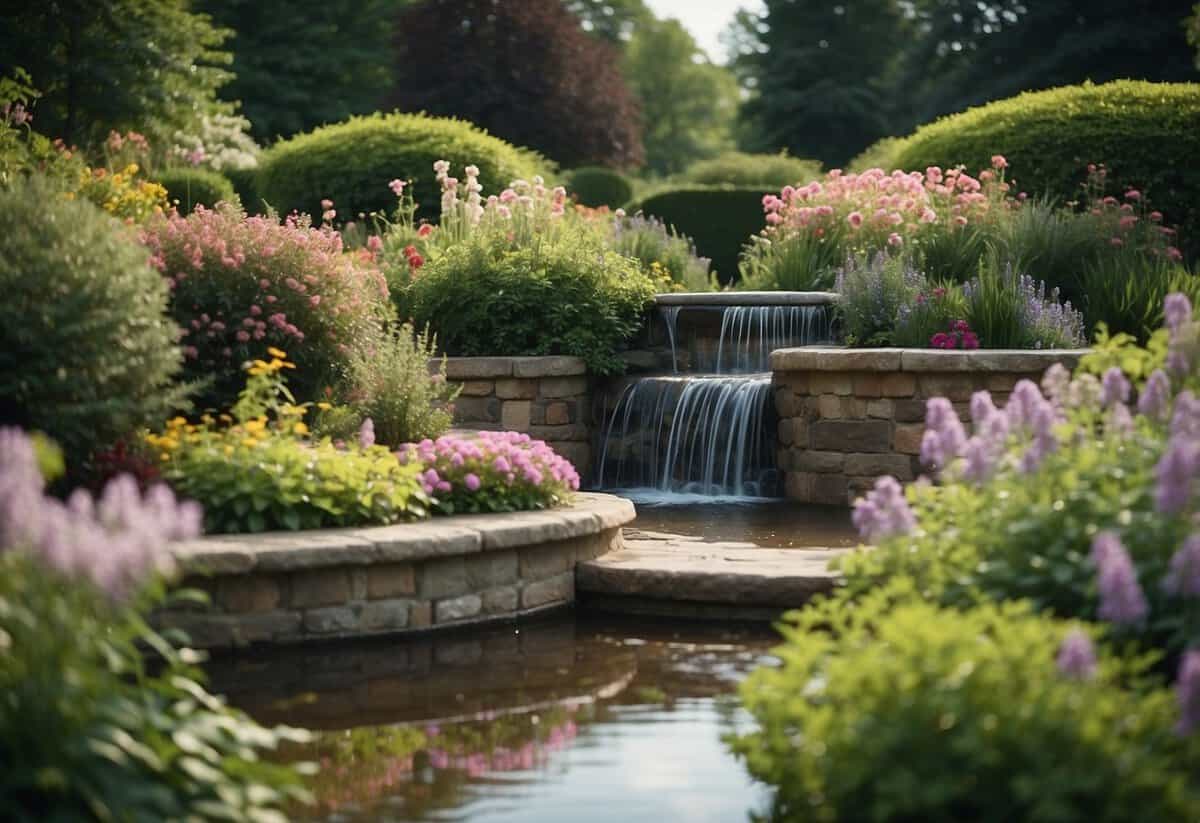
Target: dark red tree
{"x": 526, "y": 71}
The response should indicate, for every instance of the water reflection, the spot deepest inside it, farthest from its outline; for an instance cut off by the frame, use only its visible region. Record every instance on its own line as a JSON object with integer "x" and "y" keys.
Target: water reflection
{"x": 598, "y": 719}
{"x": 767, "y": 522}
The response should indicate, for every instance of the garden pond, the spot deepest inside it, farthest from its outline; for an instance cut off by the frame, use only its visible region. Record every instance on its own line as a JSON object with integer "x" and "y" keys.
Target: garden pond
{"x": 572, "y": 718}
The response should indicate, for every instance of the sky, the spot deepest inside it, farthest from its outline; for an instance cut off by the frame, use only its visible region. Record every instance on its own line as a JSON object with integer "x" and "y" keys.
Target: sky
{"x": 705, "y": 19}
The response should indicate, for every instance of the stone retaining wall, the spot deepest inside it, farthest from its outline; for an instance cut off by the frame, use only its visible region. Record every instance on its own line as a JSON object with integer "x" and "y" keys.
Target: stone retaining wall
{"x": 288, "y": 587}
{"x": 848, "y": 416}
{"x": 549, "y": 398}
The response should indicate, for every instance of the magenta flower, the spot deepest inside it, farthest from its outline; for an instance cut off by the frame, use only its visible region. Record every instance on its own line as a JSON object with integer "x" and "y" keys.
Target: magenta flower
{"x": 472, "y": 481}
{"x": 1077, "y": 656}
{"x": 1187, "y": 691}
{"x": 1121, "y": 598}
{"x": 883, "y": 512}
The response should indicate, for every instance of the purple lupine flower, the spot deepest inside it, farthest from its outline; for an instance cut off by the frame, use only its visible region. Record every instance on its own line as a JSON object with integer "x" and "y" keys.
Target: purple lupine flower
{"x": 1187, "y": 692}
{"x": 366, "y": 434}
{"x": 1174, "y": 474}
{"x": 982, "y": 407}
{"x": 1156, "y": 396}
{"x": 883, "y": 512}
{"x": 1042, "y": 422}
{"x": 1177, "y": 311}
{"x": 1076, "y": 655}
{"x": 1121, "y": 597}
{"x": 1184, "y": 576}
{"x": 1055, "y": 382}
{"x": 980, "y": 459}
{"x": 1185, "y": 421}
{"x": 1119, "y": 420}
{"x": 1114, "y": 387}
{"x": 1025, "y": 399}
{"x": 944, "y": 436}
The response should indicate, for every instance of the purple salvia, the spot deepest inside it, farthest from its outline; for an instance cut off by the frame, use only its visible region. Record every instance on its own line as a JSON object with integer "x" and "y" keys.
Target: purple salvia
{"x": 1023, "y": 402}
{"x": 1042, "y": 421}
{"x": 1183, "y": 578}
{"x": 1187, "y": 692}
{"x": 366, "y": 434}
{"x": 1055, "y": 382}
{"x": 1185, "y": 421}
{"x": 1155, "y": 397}
{"x": 1114, "y": 387}
{"x": 980, "y": 457}
{"x": 1076, "y": 655}
{"x": 982, "y": 407}
{"x": 1121, "y": 598}
{"x": 883, "y": 512}
{"x": 1177, "y": 311}
{"x": 944, "y": 436}
{"x": 1174, "y": 474}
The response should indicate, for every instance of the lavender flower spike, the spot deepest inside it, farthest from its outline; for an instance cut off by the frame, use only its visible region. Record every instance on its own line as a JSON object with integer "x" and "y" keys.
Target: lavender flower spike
{"x": 1175, "y": 473}
{"x": 1114, "y": 387}
{"x": 944, "y": 434}
{"x": 1121, "y": 598}
{"x": 1155, "y": 396}
{"x": 1187, "y": 690}
{"x": 1184, "y": 576}
{"x": 1056, "y": 381}
{"x": 1177, "y": 311}
{"x": 1077, "y": 656}
{"x": 883, "y": 512}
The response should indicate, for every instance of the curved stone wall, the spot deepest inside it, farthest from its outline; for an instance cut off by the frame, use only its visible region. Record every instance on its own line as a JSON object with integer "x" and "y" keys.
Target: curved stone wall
{"x": 289, "y": 587}
{"x": 848, "y": 416}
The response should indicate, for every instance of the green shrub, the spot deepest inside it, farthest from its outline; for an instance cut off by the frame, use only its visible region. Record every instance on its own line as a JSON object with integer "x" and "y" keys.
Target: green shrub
{"x": 797, "y": 262}
{"x": 391, "y": 383}
{"x": 242, "y": 284}
{"x": 768, "y": 171}
{"x": 88, "y": 352}
{"x": 569, "y": 297}
{"x": 597, "y": 186}
{"x": 872, "y": 294}
{"x": 188, "y": 188}
{"x": 245, "y": 185}
{"x": 718, "y": 218}
{"x": 879, "y": 155}
{"x": 649, "y": 240}
{"x": 351, "y": 163}
{"x": 894, "y": 710}
{"x": 1148, "y": 134}
{"x": 1011, "y": 310}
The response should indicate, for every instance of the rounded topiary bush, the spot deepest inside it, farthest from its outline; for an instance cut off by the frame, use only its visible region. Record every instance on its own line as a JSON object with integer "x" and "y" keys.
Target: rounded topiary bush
{"x": 720, "y": 219}
{"x": 88, "y": 352}
{"x": 188, "y": 188}
{"x": 597, "y": 186}
{"x": 1147, "y": 134}
{"x": 736, "y": 168}
{"x": 244, "y": 182}
{"x": 240, "y": 285}
{"x": 351, "y": 163}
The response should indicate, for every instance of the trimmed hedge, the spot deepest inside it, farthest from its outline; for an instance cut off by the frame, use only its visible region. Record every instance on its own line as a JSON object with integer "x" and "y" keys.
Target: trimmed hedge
{"x": 720, "y": 219}
{"x": 245, "y": 183}
{"x": 1148, "y": 134}
{"x": 352, "y": 162}
{"x": 189, "y": 188}
{"x": 597, "y": 186}
{"x": 736, "y": 168}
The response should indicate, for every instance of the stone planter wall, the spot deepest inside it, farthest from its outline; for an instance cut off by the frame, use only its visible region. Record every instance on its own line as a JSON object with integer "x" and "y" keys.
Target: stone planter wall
{"x": 289, "y": 587}
{"x": 849, "y": 416}
{"x": 548, "y": 398}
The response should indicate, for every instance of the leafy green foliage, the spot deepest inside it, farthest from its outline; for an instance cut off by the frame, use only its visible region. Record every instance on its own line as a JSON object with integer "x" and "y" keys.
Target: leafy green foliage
{"x": 351, "y": 163}
{"x": 1144, "y": 132}
{"x": 392, "y": 383}
{"x": 596, "y": 186}
{"x": 798, "y": 262}
{"x": 188, "y": 188}
{"x": 662, "y": 252}
{"x": 872, "y": 294}
{"x": 569, "y": 297}
{"x": 88, "y": 352}
{"x": 892, "y": 709}
{"x": 117, "y": 65}
{"x": 90, "y": 729}
{"x": 717, "y": 218}
{"x": 737, "y": 168}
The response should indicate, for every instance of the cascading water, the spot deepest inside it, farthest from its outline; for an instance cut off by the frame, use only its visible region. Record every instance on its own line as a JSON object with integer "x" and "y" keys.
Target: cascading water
{"x": 706, "y": 432}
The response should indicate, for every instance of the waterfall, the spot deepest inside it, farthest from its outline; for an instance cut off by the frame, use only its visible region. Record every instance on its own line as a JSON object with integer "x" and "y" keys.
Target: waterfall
{"x": 708, "y": 432}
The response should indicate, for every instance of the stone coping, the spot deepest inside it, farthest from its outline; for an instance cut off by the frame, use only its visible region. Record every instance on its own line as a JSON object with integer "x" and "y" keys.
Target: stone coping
{"x": 485, "y": 368}
{"x": 842, "y": 359}
{"x": 588, "y": 514}
{"x": 747, "y": 298}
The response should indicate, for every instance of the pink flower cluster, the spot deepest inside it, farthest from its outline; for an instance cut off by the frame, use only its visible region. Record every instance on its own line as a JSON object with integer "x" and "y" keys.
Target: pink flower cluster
{"x": 115, "y": 542}
{"x": 240, "y": 284}
{"x": 880, "y": 209}
{"x": 959, "y": 336}
{"x": 1128, "y": 221}
{"x": 499, "y": 471}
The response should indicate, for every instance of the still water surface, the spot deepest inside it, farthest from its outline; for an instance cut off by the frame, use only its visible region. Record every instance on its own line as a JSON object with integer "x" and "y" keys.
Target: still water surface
{"x": 588, "y": 719}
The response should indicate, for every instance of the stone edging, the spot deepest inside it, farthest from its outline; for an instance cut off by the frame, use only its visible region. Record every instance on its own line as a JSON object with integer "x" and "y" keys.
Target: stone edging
{"x": 747, "y": 298}
{"x": 840, "y": 358}
{"x": 487, "y": 368}
{"x": 287, "y": 587}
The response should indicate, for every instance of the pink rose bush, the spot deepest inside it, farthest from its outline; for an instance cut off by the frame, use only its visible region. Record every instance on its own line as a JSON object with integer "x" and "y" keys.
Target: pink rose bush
{"x": 242, "y": 284}
{"x": 491, "y": 472}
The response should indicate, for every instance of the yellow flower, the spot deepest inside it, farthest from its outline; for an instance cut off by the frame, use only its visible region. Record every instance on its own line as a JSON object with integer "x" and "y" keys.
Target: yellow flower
{"x": 274, "y": 352}
{"x": 299, "y": 428}
{"x": 323, "y": 406}
{"x": 228, "y": 450}
{"x": 249, "y": 442}
{"x": 256, "y": 425}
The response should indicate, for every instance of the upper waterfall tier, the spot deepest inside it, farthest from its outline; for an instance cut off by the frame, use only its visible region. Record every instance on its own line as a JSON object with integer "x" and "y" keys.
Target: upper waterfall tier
{"x": 745, "y": 337}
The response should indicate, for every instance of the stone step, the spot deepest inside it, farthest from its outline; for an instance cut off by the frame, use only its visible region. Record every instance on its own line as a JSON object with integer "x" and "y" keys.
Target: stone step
{"x": 736, "y": 579}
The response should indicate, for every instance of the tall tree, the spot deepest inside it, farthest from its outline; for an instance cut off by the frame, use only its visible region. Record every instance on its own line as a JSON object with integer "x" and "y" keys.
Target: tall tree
{"x": 526, "y": 71}
{"x": 300, "y": 65}
{"x": 613, "y": 20}
{"x": 689, "y": 105}
{"x": 154, "y": 66}
{"x": 815, "y": 70}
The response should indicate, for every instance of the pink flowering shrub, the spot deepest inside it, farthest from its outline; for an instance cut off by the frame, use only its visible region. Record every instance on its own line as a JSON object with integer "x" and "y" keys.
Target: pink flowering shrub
{"x": 242, "y": 284}
{"x": 491, "y": 472}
